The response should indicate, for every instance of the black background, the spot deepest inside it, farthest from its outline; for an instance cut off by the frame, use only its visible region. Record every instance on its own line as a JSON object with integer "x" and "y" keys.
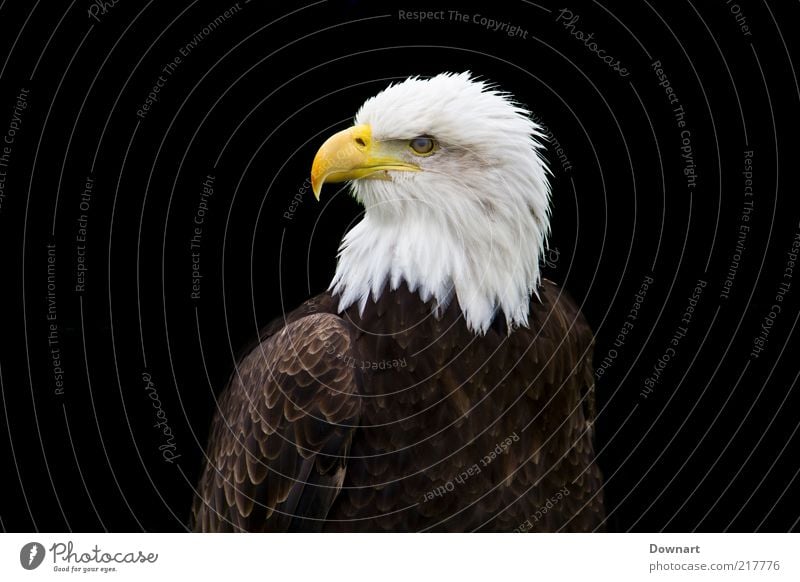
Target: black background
{"x": 712, "y": 448}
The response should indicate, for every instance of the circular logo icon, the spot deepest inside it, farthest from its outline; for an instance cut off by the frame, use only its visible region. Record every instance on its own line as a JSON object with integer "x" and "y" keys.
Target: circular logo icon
{"x": 31, "y": 555}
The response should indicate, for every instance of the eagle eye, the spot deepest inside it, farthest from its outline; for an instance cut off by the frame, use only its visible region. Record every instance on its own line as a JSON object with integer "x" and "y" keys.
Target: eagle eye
{"x": 422, "y": 146}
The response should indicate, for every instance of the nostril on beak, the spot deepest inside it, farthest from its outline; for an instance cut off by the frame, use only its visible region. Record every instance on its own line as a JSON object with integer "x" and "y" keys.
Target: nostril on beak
{"x": 361, "y": 142}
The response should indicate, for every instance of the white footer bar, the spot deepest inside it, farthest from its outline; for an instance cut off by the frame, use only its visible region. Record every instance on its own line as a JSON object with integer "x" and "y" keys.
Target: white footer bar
{"x": 401, "y": 557}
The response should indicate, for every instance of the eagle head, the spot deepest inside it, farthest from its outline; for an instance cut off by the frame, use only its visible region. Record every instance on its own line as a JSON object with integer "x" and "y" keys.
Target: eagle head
{"x": 456, "y": 197}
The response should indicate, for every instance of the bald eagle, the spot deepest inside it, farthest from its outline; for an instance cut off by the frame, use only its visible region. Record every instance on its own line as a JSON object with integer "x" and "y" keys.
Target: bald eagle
{"x": 440, "y": 384}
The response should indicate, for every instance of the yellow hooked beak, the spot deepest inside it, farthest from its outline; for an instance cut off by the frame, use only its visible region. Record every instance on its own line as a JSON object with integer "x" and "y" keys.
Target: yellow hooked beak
{"x": 352, "y": 154}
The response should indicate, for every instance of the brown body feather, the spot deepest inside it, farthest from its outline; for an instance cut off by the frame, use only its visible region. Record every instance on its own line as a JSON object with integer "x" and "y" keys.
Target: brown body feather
{"x": 396, "y": 420}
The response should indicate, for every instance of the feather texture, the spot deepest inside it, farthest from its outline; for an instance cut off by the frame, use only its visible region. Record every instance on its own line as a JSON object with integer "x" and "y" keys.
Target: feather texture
{"x": 325, "y": 427}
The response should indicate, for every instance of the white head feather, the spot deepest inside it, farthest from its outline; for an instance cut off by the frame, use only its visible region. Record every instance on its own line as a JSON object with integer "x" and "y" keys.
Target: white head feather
{"x": 473, "y": 223}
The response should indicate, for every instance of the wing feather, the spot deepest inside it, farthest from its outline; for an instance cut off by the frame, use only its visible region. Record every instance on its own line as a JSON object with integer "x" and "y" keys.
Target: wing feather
{"x": 279, "y": 442}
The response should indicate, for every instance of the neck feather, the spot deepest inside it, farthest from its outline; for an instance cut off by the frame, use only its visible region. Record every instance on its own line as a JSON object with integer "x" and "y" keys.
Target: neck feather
{"x": 488, "y": 265}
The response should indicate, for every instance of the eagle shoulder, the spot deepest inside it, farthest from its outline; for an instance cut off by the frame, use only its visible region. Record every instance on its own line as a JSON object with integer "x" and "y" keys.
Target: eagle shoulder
{"x": 281, "y": 435}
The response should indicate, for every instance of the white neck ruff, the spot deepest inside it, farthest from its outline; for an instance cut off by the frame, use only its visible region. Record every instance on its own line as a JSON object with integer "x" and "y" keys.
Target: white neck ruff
{"x": 486, "y": 269}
